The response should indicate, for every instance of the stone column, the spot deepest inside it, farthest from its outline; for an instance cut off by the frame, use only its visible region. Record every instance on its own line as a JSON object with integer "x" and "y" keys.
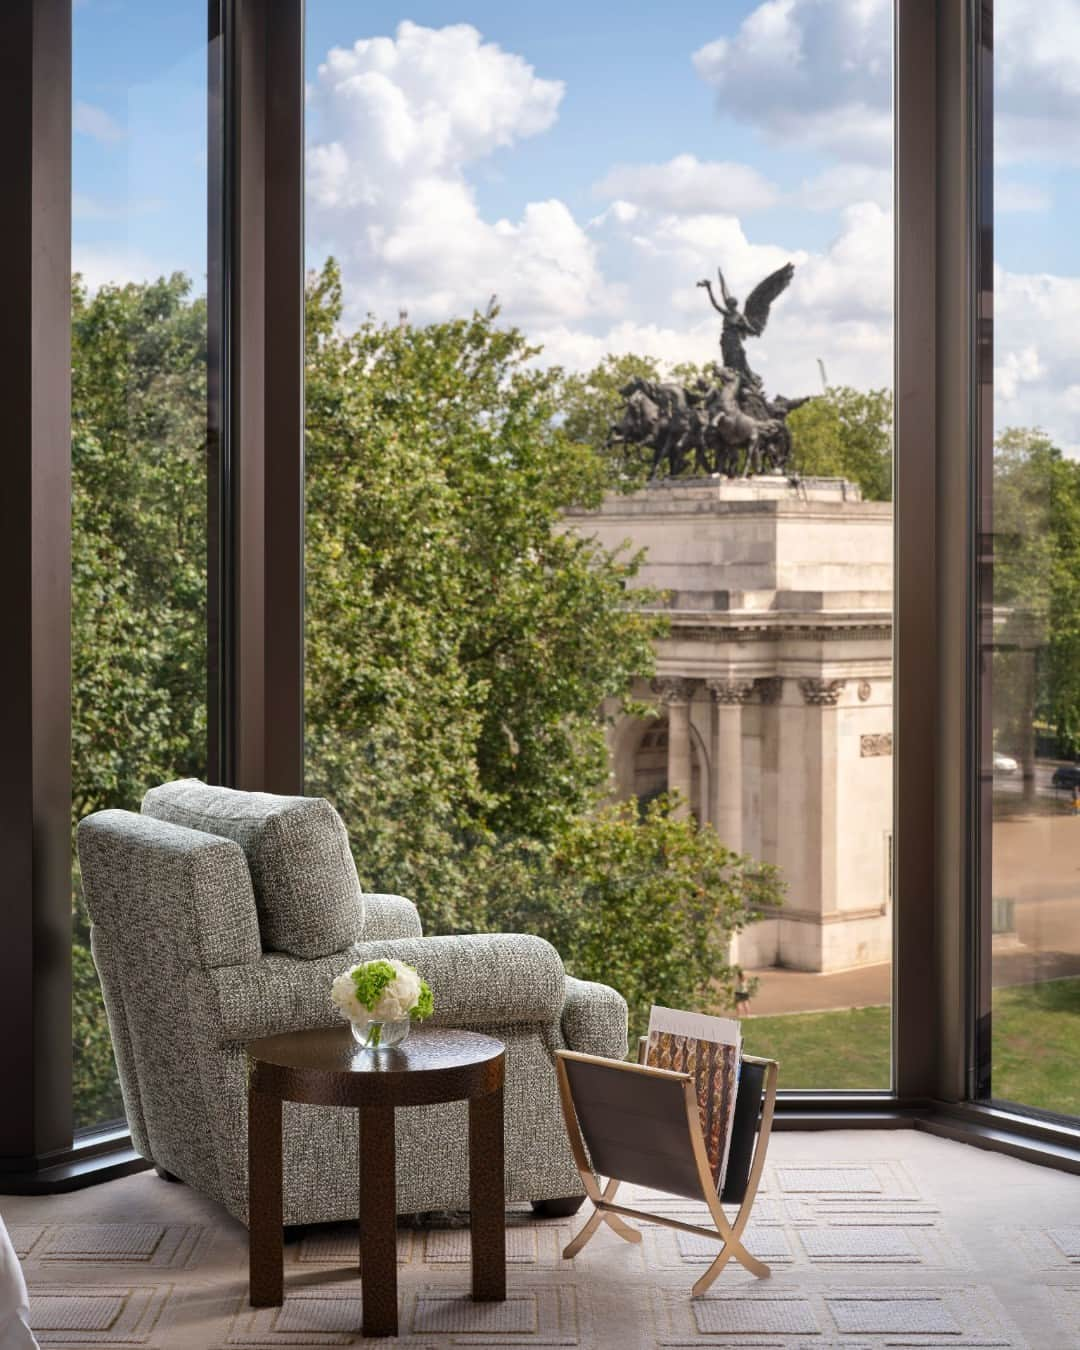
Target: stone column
{"x": 726, "y": 787}
{"x": 675, "y": 692}
{"x": 813, "y": 827}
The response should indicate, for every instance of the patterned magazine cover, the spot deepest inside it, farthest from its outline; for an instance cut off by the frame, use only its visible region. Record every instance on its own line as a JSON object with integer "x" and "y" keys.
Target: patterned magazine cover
{"x": 710, "y": 1048}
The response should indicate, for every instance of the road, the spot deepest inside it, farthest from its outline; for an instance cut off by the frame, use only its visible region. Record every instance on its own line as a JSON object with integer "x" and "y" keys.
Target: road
{"x": 1012, "y": 784}
{"x": 1036, "y": 864}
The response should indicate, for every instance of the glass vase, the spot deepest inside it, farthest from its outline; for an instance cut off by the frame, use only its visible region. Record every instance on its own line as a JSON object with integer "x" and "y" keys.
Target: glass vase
{"x": 371, "y": 1033}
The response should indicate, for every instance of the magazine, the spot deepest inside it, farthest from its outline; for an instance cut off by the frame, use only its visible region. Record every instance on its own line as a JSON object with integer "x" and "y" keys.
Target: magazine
{"x": 710, "y": 1048}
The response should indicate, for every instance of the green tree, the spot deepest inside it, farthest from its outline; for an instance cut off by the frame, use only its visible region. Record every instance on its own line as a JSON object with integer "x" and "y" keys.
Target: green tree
{"x": 1036, "y": 529}
{"x": 641, "y": 900}
{"x": 846, "y": 433}
{"x": 590, "y": 403}
{"x": 138, "y": 583}
{"x": 459, "y": 640}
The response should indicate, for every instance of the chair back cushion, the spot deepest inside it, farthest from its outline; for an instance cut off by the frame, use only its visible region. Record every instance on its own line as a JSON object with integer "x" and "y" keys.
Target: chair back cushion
{"x": 306, "y": 889}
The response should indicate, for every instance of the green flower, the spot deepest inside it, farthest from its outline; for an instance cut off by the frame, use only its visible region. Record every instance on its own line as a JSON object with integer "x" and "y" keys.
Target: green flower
{"x": 371, "y": 979}
{"x": 425, "y": 1004}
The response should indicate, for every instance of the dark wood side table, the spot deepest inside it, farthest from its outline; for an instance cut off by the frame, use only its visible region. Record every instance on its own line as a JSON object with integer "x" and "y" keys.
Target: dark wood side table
{"x": 327, "y": 1068}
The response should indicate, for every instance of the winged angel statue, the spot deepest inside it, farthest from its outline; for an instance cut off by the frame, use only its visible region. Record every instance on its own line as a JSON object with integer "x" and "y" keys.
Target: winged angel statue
{"x": 724, "y": 420}
{"x": 740, "y": 325}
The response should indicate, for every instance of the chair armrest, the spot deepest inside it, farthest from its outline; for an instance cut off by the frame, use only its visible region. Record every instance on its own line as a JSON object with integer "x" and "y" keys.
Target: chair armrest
{"x": 486, "y": 979}
{"x": 389, "y": 916}
{"x": 482, "y": 979}
{"x": 594, "y": 1019}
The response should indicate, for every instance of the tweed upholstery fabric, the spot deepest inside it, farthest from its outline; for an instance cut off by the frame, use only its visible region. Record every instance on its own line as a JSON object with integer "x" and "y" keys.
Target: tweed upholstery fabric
{"x": 511, "y": 977}
{"x": 147, "y": 886}
{"x": 102, "y": 949}
{"x": 320, "y": 1143}
{"x": 594, "y": 1019}
{"x": 308, "y": 896}
{"x": 389, "y": 916}
{"x": 170, "y": 904}
{"x": 482, "y": 979}
{"x": 129, "y": 862}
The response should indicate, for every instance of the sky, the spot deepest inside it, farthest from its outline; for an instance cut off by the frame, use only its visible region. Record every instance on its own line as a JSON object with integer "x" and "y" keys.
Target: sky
{"x": 588, "y": 164}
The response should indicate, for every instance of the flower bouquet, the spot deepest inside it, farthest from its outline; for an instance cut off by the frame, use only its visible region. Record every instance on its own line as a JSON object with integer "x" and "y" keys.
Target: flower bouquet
{"x": 381, "y": 1000}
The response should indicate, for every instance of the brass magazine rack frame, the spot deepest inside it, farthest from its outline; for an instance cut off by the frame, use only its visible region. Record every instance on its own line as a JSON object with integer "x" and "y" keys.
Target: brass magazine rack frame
{"x": 642, "y": 1125}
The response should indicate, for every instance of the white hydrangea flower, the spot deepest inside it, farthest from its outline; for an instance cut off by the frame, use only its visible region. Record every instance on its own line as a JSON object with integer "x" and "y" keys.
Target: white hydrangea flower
{"x": 395, "y": 1003}
{"x": 343, "y": 996}
{"x": 399, "y": 996}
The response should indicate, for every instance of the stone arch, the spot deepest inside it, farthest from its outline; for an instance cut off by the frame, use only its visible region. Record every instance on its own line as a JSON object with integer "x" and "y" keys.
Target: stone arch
{"x": 644, "y": 764}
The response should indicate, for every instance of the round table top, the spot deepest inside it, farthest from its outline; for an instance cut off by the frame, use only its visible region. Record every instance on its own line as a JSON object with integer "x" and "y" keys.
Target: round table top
{"x": 326, "y": 1067}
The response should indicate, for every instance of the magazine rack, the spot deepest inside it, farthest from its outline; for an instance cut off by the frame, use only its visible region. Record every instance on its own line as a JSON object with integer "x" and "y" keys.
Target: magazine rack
{"x": 641, "y": 1125}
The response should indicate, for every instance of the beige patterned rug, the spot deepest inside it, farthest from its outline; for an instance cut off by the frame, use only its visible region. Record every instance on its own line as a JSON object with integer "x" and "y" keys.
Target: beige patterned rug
{"x": 879, "y": 1240}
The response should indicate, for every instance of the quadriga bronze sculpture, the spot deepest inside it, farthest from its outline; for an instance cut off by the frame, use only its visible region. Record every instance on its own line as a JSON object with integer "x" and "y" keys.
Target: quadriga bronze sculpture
{"x": 723, "y": 423}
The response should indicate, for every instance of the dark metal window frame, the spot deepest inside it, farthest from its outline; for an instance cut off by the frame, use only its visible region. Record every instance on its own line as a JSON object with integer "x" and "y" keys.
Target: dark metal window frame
{"x": 984, "y": 1108}
{"x": 256, "y": 582}
{"x": 255, "y": 481}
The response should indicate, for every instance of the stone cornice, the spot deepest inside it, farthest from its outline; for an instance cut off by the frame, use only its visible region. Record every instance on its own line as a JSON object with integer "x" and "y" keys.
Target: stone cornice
{"x": 780, "y": 628}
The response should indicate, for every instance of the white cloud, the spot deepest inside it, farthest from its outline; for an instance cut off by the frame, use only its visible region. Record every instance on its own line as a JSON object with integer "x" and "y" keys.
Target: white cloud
{"x": 845, "y": 185}
{"x": 1037, "y": 356}
{"x": 1012, "y": 196}
{"x": 620, "y": 211}
{"x": 90, "y": 120}
{"x": 687, "y": 184}
{"x": 401, "y": 120}
{"x": 1037, "y": 82}
{"x": 838, "y": 307}
{"x": 113, "y": 265}
{"x": 810, "y": 72}
{"x": 818, "y": 73}
{"x": 402, "y": 126}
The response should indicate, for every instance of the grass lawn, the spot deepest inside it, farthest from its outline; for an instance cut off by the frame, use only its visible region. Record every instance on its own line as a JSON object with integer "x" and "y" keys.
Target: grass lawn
{"x": 1036, "y": 1043}
{"x": 1036, "y": 1031}
{"x": 848, "y": 1049}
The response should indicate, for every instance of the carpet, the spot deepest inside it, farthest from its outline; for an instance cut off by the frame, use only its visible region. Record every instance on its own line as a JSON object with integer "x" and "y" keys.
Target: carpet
{"x": 878, "y": 1240}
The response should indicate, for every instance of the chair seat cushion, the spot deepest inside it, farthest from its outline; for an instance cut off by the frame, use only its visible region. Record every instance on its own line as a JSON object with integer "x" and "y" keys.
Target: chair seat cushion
{"x": 306, "y": 889}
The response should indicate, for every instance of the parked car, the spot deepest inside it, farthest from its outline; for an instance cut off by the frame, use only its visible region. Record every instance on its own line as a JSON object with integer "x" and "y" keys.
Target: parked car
{"x": 1005, "y": 764}
{"x": 1067, "y": 776}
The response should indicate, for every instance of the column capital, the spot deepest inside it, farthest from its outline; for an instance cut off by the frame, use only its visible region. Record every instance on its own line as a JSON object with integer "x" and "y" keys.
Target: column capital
{"x": 770, "y": 688}
{"x": 729, "y": 692}
{"x": 821, "y": 693}
{"x": 674, "y": 688}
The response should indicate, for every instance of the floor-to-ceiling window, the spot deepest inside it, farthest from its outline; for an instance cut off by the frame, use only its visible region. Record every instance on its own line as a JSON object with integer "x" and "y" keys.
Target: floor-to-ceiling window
{"x": 139, "y": 436}
{"x": 1029, "y": 1030}
{"x": 568, "y": 668}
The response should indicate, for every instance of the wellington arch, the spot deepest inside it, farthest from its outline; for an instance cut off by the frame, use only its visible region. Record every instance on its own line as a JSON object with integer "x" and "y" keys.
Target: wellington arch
{"x": 773, "y": 694}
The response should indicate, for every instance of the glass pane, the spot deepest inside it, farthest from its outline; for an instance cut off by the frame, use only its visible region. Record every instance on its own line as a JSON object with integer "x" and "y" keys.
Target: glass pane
{"x": 1031, "y": 617}
{"x": 139, "y": 433}
{"x": 569, "y": 669}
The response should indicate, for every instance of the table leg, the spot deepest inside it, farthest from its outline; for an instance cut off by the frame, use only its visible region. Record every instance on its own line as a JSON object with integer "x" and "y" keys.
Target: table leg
{"x": 378, "y": 1221}
{"x": 487, "y": 1197}
{"x": 265, "y": 1253}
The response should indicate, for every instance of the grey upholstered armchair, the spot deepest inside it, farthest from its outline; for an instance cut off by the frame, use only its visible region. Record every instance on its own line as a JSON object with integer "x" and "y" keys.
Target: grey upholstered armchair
{"x": 221, "y": 916}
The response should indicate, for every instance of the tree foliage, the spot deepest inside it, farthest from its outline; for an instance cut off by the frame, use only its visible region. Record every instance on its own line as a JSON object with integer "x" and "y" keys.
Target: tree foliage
{"x": 459, "y": 641}
{"x": 846, "y": 433}
{"x": 138, "y": 619}
{"x": 639, "y": 899}
{"x": 1036, "y": 560}
{"x": 459, "y": 638}
{"x": 590, "y": 403}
